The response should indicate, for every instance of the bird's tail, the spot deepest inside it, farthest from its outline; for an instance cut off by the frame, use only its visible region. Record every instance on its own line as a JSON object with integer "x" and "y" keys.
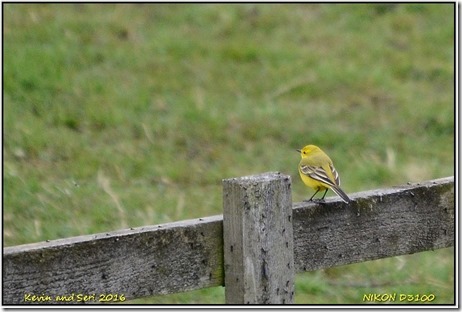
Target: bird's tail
{"x": 340, "y": 193}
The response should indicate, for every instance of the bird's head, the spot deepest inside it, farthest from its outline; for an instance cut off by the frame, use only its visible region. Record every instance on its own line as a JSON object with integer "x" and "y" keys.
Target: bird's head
{"x": 307, "y": 150}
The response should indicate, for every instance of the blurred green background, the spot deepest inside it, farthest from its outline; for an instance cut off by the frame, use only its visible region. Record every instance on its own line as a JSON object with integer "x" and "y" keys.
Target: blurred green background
{"x": 120, "y": 116}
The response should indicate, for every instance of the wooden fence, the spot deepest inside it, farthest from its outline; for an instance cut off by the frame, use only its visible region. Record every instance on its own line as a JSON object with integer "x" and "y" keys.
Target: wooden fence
{"x": 254, "y": 249}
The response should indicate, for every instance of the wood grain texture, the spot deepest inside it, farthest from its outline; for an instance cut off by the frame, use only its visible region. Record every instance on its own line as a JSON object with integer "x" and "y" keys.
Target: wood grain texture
{"x": 258, "y": 239}
{"x": 376, "y": 224}
{"x": 161, "y": 259}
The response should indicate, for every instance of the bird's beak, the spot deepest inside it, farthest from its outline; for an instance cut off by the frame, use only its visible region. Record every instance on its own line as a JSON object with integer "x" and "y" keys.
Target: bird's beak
{"x": 299, "y": 151}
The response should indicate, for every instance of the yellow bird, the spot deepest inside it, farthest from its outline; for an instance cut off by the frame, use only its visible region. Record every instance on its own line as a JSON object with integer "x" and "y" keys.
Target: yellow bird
{"x": 317, "y": 171}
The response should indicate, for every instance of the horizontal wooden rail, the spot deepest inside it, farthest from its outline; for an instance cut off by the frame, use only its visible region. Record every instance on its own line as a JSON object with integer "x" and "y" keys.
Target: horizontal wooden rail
{"x": 377, "y": 224}
{"x": 132, "y": 263}
{"x": 188, "y": 255}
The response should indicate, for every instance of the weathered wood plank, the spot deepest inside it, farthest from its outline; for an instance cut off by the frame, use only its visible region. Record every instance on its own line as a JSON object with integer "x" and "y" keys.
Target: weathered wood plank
{"x": 376, "y": 224}
{"x": 135, "y": 263}
{"x": 258, "y": 239}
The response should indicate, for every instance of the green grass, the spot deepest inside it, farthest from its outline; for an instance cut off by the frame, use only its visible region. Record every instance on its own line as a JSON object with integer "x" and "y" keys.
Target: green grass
{"x": 120, "y": 116}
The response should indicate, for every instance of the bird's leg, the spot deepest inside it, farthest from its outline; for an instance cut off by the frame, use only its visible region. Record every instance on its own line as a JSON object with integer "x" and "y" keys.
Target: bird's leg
{"x": 320, "y": 200}
{"x": 311, "y": 199}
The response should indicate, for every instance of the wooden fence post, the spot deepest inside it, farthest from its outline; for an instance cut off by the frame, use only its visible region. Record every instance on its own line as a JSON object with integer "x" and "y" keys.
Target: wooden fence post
{"x": 258, "y": 239}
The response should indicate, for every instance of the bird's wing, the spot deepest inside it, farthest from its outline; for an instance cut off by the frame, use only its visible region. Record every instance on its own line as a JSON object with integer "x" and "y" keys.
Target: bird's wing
{"x": 320, "y": 174}
{"x": 335, "y": 174}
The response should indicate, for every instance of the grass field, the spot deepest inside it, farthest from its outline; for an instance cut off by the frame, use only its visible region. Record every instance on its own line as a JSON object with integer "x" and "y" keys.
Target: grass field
{"x": 119, "y": 116}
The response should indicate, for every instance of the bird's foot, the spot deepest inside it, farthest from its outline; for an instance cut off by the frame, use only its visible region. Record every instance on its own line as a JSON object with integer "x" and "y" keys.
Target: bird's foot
{"x": 316, "y": 200}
